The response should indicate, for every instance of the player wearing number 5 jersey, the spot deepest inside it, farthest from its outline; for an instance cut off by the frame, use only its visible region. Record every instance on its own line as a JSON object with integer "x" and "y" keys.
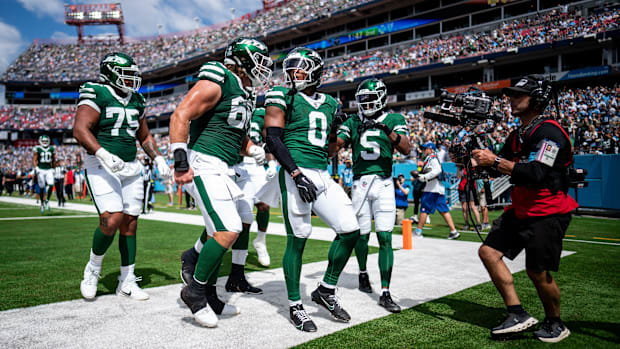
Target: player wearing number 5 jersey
{"x": 301, "y": 126}
{"x": 109, "y": 120}
{"x": 216, "y": 113}
{"x": 373, "y": 135}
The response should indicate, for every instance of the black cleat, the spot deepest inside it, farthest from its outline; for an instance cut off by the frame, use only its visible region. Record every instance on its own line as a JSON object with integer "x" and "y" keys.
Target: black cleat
{"x": 552, "y": 332}
{"x": 240, "y": 284}
{"x": 364, "y": 281}
{"x": 331, "y": 303}
{"x": 300, "y": 319}
{"x": 386, "y": 301}
{"x": 514, "y": 323}
{"x": 189, "y": 259}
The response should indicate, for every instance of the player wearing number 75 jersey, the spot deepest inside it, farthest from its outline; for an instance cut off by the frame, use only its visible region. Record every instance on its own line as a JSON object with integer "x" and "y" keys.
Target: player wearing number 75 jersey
{"x": 373, "y": 135}
{"x": 301, "y": 126}
{"x": 109, "y": 120}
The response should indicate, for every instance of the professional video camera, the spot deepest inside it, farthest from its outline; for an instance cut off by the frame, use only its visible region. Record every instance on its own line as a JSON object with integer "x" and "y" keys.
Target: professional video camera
{"x": 470, "y": 108}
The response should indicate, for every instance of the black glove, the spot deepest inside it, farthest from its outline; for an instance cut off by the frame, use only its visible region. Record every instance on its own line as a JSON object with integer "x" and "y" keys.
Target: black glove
{"x": 339, "y": 118}
{"x": 307, "y": 189}
{"x": 369, "y": 123}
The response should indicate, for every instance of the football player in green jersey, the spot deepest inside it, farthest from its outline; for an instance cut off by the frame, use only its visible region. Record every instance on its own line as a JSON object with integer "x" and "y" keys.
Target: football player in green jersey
{"x": 109, "y": 120}
{"x": 216, "y": 114}
{"x": 44, "y": 161}
{"x": 373, "y": 136}
{"x": 301, "y": 126}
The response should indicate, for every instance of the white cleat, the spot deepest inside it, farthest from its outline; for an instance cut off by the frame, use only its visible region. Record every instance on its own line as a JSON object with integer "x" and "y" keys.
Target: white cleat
{"x": 261, "y": 251}
{"x": 88, "y": 286}
{"x": 206, "y": 317}
{"x": 129, "y": 288}
{"x": 230, "y": 310}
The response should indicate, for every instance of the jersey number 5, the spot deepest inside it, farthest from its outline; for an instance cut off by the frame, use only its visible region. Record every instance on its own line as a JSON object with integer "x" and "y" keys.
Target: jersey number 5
{"x": 371, "y": 149}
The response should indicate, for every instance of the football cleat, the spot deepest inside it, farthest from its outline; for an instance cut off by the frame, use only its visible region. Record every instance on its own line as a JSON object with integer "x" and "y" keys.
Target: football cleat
{"x": 364, "y": 283}
{"x": 189, "y": 259}
{"x": 514, "y": 323}
{"x": 129, "y": 288}
{"x": 386, "y": 301}
{"x": 237, "y": 283}
{"x": 219, "y": 307}
{"x": 330, "y": 302}
{"x": 88, "y": 286}
{"x": 454, "y": 235}
{"x": 261, "y": 251}
{"x": 300, "y": 319}
{"x": 552, "y": 332}
{"x": 198, "y": 305}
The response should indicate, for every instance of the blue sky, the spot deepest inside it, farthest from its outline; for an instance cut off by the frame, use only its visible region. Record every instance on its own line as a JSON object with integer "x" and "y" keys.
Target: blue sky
{"x": 22, "y": 21}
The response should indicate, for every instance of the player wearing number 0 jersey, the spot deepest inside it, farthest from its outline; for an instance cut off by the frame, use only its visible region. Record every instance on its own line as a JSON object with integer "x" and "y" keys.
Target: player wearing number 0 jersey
{"x": 109, "y": 120}
{"x": 373, "y": 135}
{"x": 301, "y": 126}
{"x": 43, "y": 162}
{"x": 216, "y": 113}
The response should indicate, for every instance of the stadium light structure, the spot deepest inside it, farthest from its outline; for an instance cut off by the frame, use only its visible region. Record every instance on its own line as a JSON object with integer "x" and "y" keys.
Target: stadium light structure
{"x": 81, "y": 15}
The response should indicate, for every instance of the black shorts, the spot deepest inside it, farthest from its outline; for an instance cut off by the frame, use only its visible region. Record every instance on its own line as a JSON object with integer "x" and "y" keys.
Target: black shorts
{"x": 541, "y": 237}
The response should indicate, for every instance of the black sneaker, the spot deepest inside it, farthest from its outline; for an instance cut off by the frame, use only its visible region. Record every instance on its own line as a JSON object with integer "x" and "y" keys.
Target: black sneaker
{"x": 240, "y": 284}
{"x": 552, "y": 332}
{"x": 514, "y": 323}
{"x": 331, "y": 303}
{"x": 386, "y": 301}
{"x": 364, "y": 281}
{"x": 189, "y": 259}
{"x": 454, "y": 235}
{"x": 300, "y": 319}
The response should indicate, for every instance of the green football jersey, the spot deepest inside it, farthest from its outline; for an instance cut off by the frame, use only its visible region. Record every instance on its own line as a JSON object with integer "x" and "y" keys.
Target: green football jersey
{"x": 372, "y": 149}
{"x": 118, "y": 120}
{"x": 46, "y": 155}
{"x": 256, "y": 126}
{"x": 307, "y": 123}
{"x": 220, "y": 131}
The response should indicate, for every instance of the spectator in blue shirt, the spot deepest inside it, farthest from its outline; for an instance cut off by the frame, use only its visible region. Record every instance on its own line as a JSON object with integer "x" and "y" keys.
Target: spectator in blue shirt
{"x": 401, "y": 193}
{"x": 346, "y": 177}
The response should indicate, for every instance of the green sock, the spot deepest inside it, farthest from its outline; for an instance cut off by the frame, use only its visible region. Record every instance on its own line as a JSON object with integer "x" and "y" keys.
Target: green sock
{"x": 209, "y": 260}
{"x": 361, "y": 251}
{"x": 291, "y": 264}
{"x": 101, "y": 242}
{"x": 243, "y": 240}
{"x": 262, "y": 220}
{"x": 339, "y": 253}
{"x": 386, "y": 257}
{"x": 216, "y": 273}
{"x": 127, "y": 248}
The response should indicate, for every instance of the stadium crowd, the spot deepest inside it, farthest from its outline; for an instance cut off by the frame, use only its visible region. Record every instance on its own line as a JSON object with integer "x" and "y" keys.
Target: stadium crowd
{"x": 75, "y": 62}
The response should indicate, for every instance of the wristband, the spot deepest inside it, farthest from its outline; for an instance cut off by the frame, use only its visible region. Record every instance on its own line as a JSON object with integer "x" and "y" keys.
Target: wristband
{"x": 180, "y": 160}
{"x": 495, "y": 164}
{"x": 179, "y": 145}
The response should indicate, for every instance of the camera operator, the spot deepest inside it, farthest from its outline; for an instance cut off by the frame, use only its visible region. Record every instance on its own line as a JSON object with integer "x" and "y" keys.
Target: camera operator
{"x": 433, "y": 193}
{"x": 536, "y": 156}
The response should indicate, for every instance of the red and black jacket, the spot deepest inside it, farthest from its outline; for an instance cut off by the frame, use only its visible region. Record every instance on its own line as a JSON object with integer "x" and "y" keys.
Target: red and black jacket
{"x": 540, "y": 189}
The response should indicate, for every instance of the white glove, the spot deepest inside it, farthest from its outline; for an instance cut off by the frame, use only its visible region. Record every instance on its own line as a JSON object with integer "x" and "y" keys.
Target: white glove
{"x": 258, "y": 153}
{"x": 162, "y": 167}
{"x": 111, "y": 161}
{"x": 272, "y": 169}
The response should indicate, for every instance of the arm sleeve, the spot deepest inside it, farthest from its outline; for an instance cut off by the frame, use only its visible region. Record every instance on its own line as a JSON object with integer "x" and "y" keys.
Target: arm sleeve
{"x": 534, "y": 172}
{"x": 279, "y": 150}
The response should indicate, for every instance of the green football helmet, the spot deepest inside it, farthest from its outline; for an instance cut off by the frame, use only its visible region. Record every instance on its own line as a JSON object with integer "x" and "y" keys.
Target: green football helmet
{"x": 305, "y": 60}
{"x": 371, "y": 97}
{"x": 253, "y": 57}
{"x": 44, "y": 141}
{"x": 120, "y": 71}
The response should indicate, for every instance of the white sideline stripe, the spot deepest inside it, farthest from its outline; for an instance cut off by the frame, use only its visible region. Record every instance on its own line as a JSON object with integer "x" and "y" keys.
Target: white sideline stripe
{"x": 571, "y": 240}
{"x": 45, "y": 217}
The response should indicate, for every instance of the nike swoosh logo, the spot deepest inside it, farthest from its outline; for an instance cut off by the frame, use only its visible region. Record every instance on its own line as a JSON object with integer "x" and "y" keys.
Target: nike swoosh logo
{"x": 327, "y": 305}
{"x": 125, "y": 293}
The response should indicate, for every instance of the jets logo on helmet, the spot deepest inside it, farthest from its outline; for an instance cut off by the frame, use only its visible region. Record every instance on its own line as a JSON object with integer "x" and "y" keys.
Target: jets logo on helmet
{"x": 307, "y": 61}
{"x": 44, "y": 141}
{"x": 120, "y": 71}
{"x": 253, "y": 57}
{"x": 371, "y": 97}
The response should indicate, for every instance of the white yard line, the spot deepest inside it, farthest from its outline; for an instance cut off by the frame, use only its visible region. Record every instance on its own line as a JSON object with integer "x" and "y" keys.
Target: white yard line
{"x": 46, "y": 217}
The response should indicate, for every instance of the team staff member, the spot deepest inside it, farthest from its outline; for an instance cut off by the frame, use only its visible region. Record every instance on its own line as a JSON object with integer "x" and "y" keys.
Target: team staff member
{"x": 536, "y": 156}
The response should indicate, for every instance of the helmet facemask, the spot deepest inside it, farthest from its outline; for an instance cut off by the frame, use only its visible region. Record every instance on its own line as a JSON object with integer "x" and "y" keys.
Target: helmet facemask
{"x": 120, "y": 71}
{"x": 370, "y": 103}
{"x": 306, "y": 61}
{"x": 44, "y": 141}
{"x": 260, "y": 73}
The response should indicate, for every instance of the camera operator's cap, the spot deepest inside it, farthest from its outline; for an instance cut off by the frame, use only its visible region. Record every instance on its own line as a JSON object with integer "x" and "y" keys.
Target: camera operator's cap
{"x": 429, "y": 145}
{"x": 526, "y": 84}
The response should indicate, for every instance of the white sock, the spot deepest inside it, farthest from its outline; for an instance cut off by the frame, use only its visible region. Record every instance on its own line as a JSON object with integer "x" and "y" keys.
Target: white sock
{"x": 385, "y": 290}
{"x": 326, "y": 285}
{"x": 95, "y": 261}
{"x": 363, "y": 272}
{"x": 260, "y": 235}
{"x": 198, "y": 245}
{"x": 293, "y": 303}
{"x": 198, "y": 281}
{"x": 239, "y": 256}
{"x": 127, "y": 271}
